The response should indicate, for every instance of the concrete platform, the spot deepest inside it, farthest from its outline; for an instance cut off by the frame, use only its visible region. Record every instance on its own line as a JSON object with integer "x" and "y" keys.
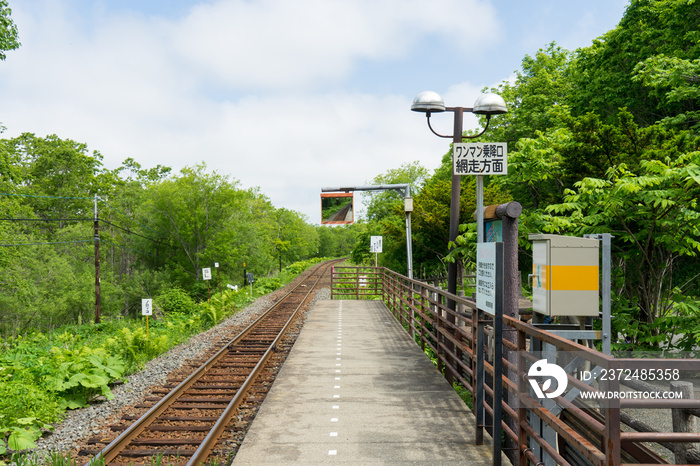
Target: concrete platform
{"x": 356, "y": 390}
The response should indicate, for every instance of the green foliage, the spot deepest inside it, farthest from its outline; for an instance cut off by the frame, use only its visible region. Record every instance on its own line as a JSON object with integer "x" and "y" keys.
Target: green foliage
{"x": 176, "y": 300}
{"x": 9, "y": 38}
{"x": 676, "y": 81}
{"x": 336, "y": 241}
{"x": 536, "y": 172}
{"x": 25, "y": 411}
{"x": 41, "y": 375}
{"x": 156, "y": 233}
{"x": 655, "y": 217}
{"x": 265, "y": 285}
{"x": 465, "y": 394}
{"x": 79, "y": 375}
{"x": 538, "y": 99}
{"x": 222, "y": 305}
{"x": 602, "y": 73}
{"x": 135, "y": 347}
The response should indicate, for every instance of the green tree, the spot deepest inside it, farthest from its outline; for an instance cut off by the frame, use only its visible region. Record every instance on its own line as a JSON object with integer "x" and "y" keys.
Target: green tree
{"x": 381, "y": 204}
{"x": 596, "y": 146}
{"x": 654, "y": 215}
{"x": 9, "y": 37}
{"x": 538, "y": 99}
{"x": 59, "y": 174}
{"x": 386, "y": 215}
{"x": 296, "y": 239}
{"x": 336, "y": 241}
{"x": 602, "y": 74}
{"x": 676, "y": 81}
{"x": 535, "y": 169}
{"x": 192, "y": 213}
{"x": 432, "y": 217}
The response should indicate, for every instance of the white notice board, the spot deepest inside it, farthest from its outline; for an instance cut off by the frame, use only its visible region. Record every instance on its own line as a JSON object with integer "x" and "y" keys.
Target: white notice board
{"x": 480, "y": 158}
{"x": 375, "y": 244}
{"x": 206, "y": 273}
{"x": 146, "y": 307}
{"x": 486, "y": 277}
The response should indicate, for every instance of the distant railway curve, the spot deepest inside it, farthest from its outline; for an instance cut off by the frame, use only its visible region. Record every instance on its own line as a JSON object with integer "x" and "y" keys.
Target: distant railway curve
{"x": 185, "y": 425}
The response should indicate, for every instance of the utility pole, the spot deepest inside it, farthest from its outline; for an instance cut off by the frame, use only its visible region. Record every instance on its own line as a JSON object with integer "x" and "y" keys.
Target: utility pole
{"x": 97, "y": 265}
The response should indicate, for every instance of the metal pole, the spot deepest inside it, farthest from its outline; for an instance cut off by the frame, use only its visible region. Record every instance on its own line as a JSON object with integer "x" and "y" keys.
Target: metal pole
{"x": 479, "y": 208}
{"x": 605, "y": 287}
{"x": 454, "y": 211}
{"x": 404, "y": 189}
{"x": 479, "y": 381}
{"x": 454, "y": 232}
{"x": 606, "y": 291}
{"x": 409, "y": 247}
{"x": 97, "y": 265}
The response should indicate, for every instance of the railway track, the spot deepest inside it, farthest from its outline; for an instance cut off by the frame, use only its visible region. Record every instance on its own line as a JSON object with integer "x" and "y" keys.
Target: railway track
{"x": 185, "y": 421}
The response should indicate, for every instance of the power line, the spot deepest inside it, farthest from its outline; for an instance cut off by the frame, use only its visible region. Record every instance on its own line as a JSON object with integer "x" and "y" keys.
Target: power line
{"x": 47, "y": 197}
{"x": 52, "y": 242}
{"x": 126, "y": 215}
{"x": 81, "y": 219}
{"x": 125, "y": 248}
{"x": 132, "y": 233}
{"x": 127, "y": 230}
{"x": 48, "y": 219}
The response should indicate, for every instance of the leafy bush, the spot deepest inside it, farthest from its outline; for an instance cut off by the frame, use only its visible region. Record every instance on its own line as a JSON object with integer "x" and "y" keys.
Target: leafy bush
{"x": 292, "y": 270}
{"x": 81, "y": 374}
{"x": 26, "y": 410}
{"x": 266, "y": 285}
{"x": 222, "y": 304}
{"x": 176, "y": 300}
{"x": 136, "y": 347}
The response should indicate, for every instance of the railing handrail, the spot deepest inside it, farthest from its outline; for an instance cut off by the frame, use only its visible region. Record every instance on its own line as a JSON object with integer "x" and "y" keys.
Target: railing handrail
{"x": 452, "y": 336}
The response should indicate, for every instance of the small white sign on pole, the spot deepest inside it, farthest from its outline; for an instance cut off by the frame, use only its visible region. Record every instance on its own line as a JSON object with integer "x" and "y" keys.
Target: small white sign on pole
{"x": 486, "y": 277}
{"x": 146, "y": 307}
{"x": 206, "y": 273}
{"x": 480, "y": 158}
{"x": 375, "y": 244}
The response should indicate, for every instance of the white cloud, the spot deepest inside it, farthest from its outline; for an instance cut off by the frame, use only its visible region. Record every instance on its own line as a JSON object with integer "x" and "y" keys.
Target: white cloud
{"x": 282, "y": 44}
{"x": 173, "y": 92}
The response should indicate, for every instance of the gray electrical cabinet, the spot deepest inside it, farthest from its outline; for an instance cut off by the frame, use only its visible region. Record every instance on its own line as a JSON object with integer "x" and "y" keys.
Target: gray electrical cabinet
{"x": 565, "y": 275}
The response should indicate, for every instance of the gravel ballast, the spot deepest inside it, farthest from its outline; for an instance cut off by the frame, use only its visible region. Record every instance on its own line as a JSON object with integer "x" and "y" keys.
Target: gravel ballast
{"x": 86, "y": 422}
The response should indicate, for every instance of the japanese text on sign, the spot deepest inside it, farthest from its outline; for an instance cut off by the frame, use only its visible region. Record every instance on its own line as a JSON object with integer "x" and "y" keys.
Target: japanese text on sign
{"x": 486, "y": 277}
{"x": 146, "y": 307}
{"x": 480, "y": 159}
{"x": 375, "y": 244}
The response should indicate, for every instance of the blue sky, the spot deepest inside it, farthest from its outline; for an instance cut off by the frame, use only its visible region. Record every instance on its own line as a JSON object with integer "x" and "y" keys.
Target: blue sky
{"x": 286, "y": 95}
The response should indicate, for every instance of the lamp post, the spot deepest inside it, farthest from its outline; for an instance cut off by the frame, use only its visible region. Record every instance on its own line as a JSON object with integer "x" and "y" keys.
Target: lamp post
{"x": 487, "y": 104}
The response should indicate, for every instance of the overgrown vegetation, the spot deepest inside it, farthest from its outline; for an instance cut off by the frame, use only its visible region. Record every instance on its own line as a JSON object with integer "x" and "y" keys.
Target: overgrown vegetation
{"x": 44, "y": 374}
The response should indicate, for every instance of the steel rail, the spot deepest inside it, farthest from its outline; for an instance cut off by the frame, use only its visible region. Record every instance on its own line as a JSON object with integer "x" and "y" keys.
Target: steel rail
{"x": 212, "y": 437}
{"x": 111, "y": 451}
